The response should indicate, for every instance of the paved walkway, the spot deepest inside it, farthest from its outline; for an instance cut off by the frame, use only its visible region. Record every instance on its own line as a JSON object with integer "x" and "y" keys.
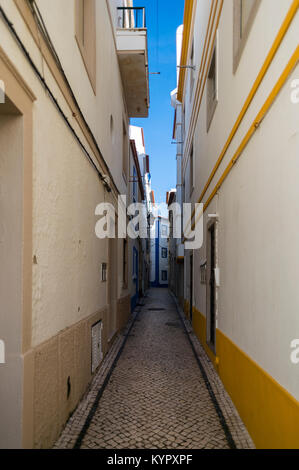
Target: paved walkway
{"x": 157, "y": 397}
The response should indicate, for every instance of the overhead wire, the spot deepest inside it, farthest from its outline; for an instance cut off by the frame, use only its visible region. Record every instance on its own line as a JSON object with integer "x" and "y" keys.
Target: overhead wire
{"x": 42, "y": 28}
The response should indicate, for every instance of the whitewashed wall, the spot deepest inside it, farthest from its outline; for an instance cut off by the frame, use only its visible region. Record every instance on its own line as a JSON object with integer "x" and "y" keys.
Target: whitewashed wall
{"x": 258, "y": 202}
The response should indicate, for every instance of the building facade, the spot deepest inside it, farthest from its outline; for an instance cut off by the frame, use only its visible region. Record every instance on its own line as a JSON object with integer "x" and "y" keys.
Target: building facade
{"x": 139, "y": 264}
{"x": 159, "y": 251}
{"x": 175, "y": 249}
{"x": 236, "y": 126}
{"x": 74, "y": 73}
{"x": 177, "y": 258}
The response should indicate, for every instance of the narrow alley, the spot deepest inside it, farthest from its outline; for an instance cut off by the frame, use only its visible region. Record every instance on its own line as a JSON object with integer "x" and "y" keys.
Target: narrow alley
{"x": 157, "y": 396}
{"x": 149, "y": 226}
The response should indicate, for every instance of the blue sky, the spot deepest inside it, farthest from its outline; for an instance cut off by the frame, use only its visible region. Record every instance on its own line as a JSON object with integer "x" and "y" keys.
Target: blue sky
{"x": 162, "y": 58}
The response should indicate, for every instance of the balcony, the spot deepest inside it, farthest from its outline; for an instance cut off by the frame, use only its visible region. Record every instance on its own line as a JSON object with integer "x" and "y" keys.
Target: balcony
{"x": 131, "y": 37}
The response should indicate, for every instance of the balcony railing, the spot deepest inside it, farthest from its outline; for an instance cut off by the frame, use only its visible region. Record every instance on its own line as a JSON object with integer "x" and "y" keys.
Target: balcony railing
{"x": 131, "y": 18}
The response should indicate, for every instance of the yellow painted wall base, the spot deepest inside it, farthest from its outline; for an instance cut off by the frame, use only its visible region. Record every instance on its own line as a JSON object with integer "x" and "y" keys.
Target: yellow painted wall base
{"x": 269, "y": 412}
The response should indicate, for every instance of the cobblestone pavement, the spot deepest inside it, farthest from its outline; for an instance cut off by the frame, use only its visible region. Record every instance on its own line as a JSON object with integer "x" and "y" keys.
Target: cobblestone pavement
{"x": 157, "y": 397}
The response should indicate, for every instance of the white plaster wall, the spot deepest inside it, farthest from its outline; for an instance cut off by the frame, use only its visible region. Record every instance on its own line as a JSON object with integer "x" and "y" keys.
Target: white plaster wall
{"x": 136, "y": 134}
{"x": 258, "y": 210}
{"x": 234, "y": 89}
{"x": 153, "y": 251}
{"x": 259, "y": 256}
{"x": 163, "y": 242}
{"x": 109, "y": 99}
{"x": 66, "y": 279}
{"x": 164, "y": 266}
{"x": 179, "y": 42}
{"x": 163, "y": 262}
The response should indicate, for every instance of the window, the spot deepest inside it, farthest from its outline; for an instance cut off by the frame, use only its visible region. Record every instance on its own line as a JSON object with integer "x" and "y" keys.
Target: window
{"x": 125, "y": 263}
{"x": 212, "y": 88}
{"x": 164, "y": 252}
{"x": 244, "y": 15}
{"x": 164, "y": 276}
{"x": 125, "y": 153}
{"x": 104, "y": 272}
{"x": 86, "y": 36}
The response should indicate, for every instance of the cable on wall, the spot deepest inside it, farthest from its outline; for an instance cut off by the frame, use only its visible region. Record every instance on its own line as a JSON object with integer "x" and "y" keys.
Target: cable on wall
{"x": 54, "y": 100}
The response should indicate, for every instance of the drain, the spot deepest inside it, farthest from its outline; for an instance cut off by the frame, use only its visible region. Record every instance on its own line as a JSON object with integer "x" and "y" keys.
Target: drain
{"x": 156, "y": 309}
{"x": 174, "y": 324}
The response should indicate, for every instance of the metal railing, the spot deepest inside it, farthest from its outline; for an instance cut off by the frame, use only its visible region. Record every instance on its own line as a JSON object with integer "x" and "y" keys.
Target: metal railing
{"x": 131, "y": 18}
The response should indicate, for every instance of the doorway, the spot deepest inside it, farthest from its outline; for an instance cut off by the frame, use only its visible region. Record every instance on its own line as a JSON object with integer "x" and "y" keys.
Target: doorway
{"x": 211, "y": 288}
{"x": 11, "y": 273}
{"x": 112, "y": 287}
{"x": 191, "y": 289}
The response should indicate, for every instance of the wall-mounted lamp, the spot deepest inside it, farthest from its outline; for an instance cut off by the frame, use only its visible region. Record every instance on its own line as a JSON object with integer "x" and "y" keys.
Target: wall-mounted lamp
{"x": 192, "y": 67}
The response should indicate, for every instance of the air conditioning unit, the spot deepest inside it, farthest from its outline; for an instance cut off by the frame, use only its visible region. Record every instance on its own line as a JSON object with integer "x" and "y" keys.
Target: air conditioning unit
{"x": 96, "y": 346}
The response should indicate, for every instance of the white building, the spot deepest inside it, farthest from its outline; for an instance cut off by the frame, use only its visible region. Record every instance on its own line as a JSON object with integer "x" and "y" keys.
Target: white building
{"x": 71, "y": 88}
{"x": 139, "y": 264}
{"x": 236, "y": 125}
{"x": 159, "y": 250}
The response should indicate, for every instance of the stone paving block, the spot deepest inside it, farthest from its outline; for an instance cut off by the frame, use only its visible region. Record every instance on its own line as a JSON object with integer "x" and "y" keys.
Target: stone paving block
{"x": 156, "y": 396}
